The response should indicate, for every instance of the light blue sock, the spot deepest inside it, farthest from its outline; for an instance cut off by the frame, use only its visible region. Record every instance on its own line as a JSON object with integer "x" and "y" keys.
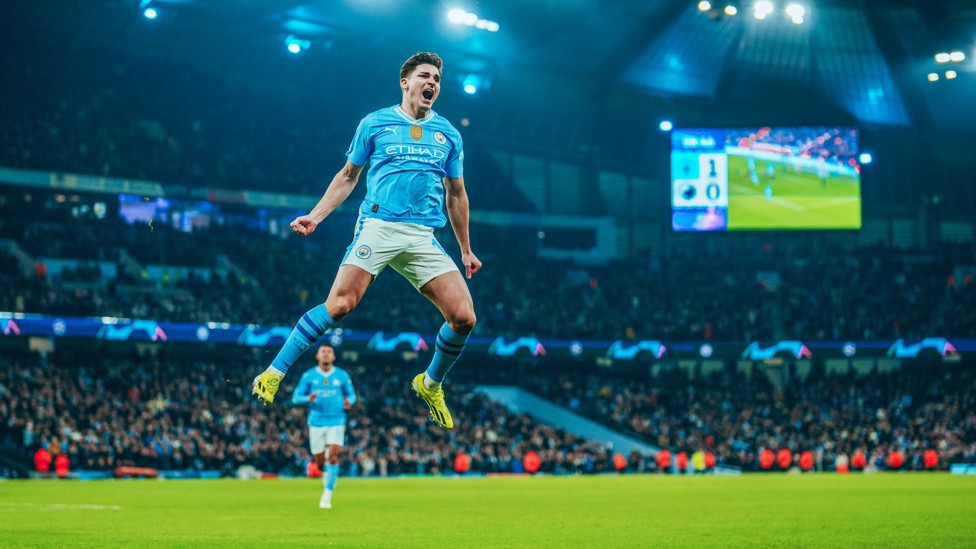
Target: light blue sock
{"x": 448, "y": 348}
{"x": 307, "y": 331}
{"x": 331, "y": 476}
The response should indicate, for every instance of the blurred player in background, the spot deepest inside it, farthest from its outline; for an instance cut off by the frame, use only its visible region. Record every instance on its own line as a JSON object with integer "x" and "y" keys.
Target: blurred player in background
{"x": 329, "y": 393}
{"x": 753, "y": 173}
{"x": 823, "y": 172}
{"x": 415, "y": 158}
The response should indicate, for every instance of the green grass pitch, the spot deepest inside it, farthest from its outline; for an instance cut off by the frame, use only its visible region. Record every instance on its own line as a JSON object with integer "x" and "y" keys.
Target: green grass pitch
{"x": 883, "y": 510}
{"x": 799, "y": 200}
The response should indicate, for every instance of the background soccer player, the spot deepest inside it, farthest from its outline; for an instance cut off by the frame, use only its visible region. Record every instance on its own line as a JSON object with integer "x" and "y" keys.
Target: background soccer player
{"x": 416, "y": 168}
{"x": 328, "y": 391}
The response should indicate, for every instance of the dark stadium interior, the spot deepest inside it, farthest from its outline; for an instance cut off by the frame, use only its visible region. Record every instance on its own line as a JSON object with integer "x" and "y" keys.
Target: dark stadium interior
{"x": 562, "y": 136}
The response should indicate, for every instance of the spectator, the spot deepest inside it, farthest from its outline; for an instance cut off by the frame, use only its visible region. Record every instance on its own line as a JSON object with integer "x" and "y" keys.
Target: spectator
{"x": 42, "y": 460}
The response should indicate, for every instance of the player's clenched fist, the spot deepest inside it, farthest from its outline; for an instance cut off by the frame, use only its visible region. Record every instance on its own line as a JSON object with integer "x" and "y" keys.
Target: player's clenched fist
{"x": 303, "y": 225}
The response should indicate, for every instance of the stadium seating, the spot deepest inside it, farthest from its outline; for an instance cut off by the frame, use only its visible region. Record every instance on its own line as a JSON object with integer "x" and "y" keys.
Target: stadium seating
{"x": 194, "y": 414}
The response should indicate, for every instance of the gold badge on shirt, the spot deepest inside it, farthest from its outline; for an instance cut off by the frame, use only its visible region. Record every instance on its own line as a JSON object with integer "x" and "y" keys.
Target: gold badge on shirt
{"x": 416, "y": 132}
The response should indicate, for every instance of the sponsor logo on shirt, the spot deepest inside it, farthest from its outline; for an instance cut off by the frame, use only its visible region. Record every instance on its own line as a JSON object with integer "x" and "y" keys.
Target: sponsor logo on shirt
{"x": 414, "y": 150}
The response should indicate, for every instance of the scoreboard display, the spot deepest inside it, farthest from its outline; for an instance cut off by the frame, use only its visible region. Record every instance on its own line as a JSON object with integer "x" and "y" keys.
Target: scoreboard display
{"x": 765, "y": 178}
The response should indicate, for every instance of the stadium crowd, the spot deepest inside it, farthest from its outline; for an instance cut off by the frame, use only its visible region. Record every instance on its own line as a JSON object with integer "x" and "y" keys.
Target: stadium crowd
{"x": 835, "y": 145}
{"x": 737, "y": 417}
{"x": 228, "y": 273}
{"x": 148, "y": 116}
{"x": 195, "y": 414}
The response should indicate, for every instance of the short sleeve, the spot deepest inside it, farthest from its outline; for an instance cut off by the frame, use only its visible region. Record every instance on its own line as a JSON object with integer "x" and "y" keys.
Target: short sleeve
{"x": 454, "y": 167}
{"x": 362, "y": 145}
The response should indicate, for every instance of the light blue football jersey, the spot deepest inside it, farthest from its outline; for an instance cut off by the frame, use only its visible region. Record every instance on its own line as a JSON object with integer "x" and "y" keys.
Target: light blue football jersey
{"x": 328, "y": 410}
{"x": 408, "y": 158}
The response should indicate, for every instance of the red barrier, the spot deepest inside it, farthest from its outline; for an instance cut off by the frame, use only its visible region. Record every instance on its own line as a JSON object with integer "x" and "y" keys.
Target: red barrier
{"x": 147, "y": 472}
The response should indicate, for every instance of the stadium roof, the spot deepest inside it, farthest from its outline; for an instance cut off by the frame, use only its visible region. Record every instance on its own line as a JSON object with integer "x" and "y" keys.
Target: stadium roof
{"x": 560, "y": 65}
{"x": 868, "y": 58}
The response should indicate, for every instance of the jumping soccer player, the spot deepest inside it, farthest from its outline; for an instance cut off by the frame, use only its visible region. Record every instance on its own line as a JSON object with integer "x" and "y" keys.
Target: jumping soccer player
{"x": 329, "y": 394}
{"x": 415, "y": 159}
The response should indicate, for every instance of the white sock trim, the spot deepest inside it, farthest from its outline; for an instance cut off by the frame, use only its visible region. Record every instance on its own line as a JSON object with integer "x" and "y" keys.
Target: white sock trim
{"x": 430, "y": 384}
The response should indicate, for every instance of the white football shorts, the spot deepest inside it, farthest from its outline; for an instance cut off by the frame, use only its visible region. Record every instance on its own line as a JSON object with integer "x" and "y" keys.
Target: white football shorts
{"x": 409, "y": 248}
{"x": 319, "y": 438}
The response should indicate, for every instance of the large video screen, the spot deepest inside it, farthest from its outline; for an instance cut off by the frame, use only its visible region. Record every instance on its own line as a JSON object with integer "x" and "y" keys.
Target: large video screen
{"x": 765, "y": 178}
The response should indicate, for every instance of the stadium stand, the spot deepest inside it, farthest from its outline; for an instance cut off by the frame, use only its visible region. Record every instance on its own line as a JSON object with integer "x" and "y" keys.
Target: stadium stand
{"x": 871, "y": 292}
{"x": 194, "y": 414}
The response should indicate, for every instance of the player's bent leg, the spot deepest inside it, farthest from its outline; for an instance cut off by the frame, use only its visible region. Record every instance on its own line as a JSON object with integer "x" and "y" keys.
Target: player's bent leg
{"x": 450, "y": 294}
{"x": 347, "y": 290}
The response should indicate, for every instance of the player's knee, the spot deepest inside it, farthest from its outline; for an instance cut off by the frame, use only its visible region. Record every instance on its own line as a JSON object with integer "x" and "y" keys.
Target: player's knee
{"x": 320, "y": 460}
{"x": 340, "y": 306}
{"x": 463, "y": 322}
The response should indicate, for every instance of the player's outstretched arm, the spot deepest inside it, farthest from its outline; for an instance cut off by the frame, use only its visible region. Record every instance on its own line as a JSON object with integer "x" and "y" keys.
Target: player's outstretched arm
{"x": 339, "y": 189}
{"x": 457, "y": 211}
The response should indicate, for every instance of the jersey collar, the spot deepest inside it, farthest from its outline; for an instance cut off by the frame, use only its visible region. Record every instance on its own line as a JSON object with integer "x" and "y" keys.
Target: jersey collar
{"x": 430, "y": 116}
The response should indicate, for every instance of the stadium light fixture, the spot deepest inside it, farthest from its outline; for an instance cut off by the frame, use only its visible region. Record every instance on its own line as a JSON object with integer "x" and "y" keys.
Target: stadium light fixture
{"x": 795, "y": 10}
{"x": 665, "y": 125}
{"x": 458, "y": 16}
{"x": 762, "y": 8}
{"x": 933, "y": 77}
{"x": 796, "y": 13}
{"x": 470, "y": 84}
{"x": 150, "y": 13}
{"x": 957, "y": 57}
{"x": 866, "y": 158}
{"x": 942, "y": 57}
{"x": 704, "y": 5}
{"x": 950, "y": 75}
{"x": 731, "y": 10}
{"x": 295, "y": 45}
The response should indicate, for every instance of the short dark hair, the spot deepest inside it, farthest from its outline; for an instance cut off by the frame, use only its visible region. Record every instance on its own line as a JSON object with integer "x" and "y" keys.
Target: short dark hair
{"x": 420, "y": 58}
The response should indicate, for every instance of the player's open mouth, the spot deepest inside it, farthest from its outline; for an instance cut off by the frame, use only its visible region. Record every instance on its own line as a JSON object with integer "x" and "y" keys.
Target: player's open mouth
{"x": 428, "y": 94}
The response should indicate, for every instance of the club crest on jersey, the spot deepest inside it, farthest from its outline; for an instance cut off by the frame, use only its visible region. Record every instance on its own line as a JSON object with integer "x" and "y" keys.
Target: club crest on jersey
{"x": 416, "y": 132}
{"x": 363, "y": 252}
{"x": 335, "y": 382}
{"x": 439, "y": 137}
